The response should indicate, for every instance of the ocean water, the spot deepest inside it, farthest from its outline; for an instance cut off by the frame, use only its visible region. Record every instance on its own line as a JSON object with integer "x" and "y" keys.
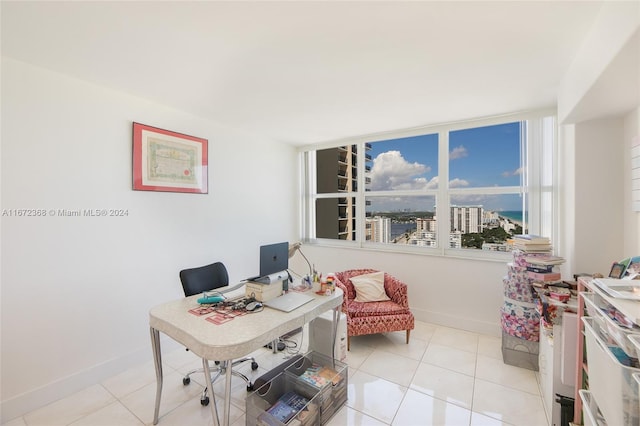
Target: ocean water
{"x": 515, "y": 215}
{"x": 400, "y": 228}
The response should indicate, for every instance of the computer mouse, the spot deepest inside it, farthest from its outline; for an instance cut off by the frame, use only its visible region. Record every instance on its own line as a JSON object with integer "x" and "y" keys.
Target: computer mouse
{"x": 252, "y": 306}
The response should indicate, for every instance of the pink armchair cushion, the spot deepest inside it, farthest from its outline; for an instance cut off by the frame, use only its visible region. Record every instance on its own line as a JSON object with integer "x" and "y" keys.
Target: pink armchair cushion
{"x": 369, "y": 309}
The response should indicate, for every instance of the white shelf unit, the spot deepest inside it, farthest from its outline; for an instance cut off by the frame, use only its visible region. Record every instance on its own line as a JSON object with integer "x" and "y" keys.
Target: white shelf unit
{"x": 606, "y": 360}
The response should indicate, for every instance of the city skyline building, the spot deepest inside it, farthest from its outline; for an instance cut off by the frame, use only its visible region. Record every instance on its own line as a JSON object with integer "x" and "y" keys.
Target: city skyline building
{"x": 467, "y": 219}
{"x": 379, "y": 229}
{"x": 337, "y": 172}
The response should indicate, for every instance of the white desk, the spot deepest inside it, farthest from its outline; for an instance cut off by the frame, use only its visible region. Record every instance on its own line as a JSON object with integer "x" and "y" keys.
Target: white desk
{"x": 230, "y": 340}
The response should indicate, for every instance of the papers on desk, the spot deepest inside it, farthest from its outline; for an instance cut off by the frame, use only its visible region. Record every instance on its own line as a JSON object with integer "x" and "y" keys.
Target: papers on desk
{"x": 619, "y": 289}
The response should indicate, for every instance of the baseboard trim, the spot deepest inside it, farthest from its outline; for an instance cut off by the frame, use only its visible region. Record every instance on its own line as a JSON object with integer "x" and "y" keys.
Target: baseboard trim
{"x": 20, "y": 405}
{"x": 455, "y": 321}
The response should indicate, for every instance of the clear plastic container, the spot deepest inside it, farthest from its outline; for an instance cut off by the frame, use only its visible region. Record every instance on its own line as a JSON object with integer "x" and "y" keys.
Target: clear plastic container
{"x": 600, "y": 310}
{"x": 590, "y": 412}
{"x": 262, "y": 400}
{"x": 332, "y": 387}
{"x": 611, "y": 382}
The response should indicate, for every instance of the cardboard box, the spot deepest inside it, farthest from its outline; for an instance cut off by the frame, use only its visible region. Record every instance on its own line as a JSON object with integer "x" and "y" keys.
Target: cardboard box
{"x": 263, "y": 292}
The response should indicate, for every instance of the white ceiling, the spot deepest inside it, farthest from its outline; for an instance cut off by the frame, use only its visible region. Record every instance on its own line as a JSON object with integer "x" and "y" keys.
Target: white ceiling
{"x": 304, "y": 72}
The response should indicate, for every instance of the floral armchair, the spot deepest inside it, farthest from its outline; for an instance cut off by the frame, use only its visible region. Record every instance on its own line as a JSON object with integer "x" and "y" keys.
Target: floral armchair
{"x": 379, "y": 316}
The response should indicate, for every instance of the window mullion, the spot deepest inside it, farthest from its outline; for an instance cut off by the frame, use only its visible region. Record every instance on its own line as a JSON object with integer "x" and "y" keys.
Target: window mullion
{"x": 360, "y": 196}
{"x": 443, "y": 212}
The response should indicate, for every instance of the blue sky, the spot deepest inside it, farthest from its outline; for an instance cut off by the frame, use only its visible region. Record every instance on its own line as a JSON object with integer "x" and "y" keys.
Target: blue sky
{"x": 480, "y": 157}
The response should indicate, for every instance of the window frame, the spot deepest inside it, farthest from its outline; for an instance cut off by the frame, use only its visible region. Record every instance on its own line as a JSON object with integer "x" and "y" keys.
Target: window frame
{"x": 538, "y": 188}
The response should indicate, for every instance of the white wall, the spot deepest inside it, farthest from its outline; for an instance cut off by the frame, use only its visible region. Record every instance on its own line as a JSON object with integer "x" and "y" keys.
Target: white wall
{"x": 459, "y": 293}
{"x": 566, "y": 198}
{"x": 76, "y": 291}
{"x": 600, "y": 195}
{"x": 631, "y": 218}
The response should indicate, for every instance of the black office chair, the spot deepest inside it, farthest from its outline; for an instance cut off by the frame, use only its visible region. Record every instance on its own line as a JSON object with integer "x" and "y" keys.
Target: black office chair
{"x": 196, "y": 281}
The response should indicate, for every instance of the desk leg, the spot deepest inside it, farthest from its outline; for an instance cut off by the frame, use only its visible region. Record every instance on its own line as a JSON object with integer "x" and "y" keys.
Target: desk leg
{"x": 212, "y": 396}
{"x": 157, "y": 359}
{"x": 334, "y": 334}
{"x": 227, "y": 392}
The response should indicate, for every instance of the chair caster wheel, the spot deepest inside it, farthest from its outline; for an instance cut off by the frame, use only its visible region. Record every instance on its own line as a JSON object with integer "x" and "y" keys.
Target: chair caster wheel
{"x": 249, "y": 387}
{"x": 204, "y": 401}
{"x": 254, "y": 365}
{"x": 186, "y": 380}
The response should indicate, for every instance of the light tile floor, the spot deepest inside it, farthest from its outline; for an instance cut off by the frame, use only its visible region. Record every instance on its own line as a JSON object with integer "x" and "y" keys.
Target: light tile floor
{"x": 443, "y": 376}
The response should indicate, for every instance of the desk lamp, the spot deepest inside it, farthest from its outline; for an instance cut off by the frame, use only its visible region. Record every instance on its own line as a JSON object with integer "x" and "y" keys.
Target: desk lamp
{"x": 295, "y": 247}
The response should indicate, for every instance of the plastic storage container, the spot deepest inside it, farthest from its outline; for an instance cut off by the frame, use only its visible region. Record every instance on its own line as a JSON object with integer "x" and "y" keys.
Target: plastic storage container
{"x": 259, "y": 402}
{"x": 634, "y": 339}
{"x": 610, "y": 381}
{"x": 600, "y": 310}
{"x": 590, "y": 412}
{"x": 331, "y": 388}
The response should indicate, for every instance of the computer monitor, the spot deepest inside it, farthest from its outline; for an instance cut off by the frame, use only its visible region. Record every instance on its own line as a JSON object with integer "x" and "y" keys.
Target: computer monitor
{"x": 274, "y": 258}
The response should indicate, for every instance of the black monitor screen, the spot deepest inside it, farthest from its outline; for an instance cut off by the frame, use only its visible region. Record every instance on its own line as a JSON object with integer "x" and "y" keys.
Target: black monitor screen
{"x": 274, "y": 258}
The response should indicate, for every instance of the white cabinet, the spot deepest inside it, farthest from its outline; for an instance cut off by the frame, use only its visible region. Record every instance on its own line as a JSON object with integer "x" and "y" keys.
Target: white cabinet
{"x": 554, "y": 360}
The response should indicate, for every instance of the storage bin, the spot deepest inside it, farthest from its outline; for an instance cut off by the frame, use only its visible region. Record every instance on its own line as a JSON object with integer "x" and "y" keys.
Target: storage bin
{"x": 332, "y": 393}
{"x": 517, "y": 284}
{"x": 636, "y": 377}
{"x": 598, "y": 309}
{"x": 520, "y": 352}
{"x": 611, "y": 383}
{"x": 259, "y": 402}
{"x": 635, "y": 342}
{"x": 590, "y": 412}
{"x": 520, "y": 319}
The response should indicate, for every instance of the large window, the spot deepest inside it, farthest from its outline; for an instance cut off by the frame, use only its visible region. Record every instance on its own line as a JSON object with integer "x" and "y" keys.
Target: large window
{"x": 465, "y": 187}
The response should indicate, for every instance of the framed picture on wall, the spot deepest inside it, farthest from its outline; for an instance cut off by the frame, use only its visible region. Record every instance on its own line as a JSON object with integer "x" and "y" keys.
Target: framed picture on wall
{"x": 168, "y": 161}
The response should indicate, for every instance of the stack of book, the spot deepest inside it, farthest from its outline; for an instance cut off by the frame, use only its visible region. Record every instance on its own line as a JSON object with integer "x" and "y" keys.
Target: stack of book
{"x": 543, "y": 260}
{"x": 541, "y": 268}
{"x": 532, "y": 243}
{"x": 291, "y": 409}
{"x": 320, "y": 376}
{"x": 331, "y": 385}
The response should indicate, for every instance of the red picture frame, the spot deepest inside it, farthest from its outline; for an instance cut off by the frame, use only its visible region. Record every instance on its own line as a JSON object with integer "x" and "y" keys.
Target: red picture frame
{"x": 169, "y": 161}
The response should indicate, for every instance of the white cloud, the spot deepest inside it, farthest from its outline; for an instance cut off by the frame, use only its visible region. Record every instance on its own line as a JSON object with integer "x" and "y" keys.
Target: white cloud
{"x": 458, "y": 183}
{"x": 458, "y": 152}
{"x": 391, "y": 171}
{"x": 516, "y": 172}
